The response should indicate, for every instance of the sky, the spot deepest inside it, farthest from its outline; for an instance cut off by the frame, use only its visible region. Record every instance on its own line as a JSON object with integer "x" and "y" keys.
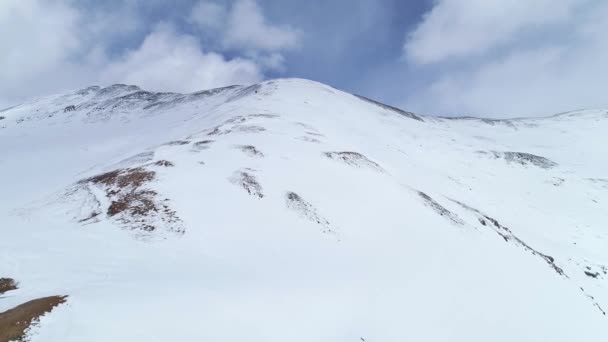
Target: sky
{"x": 487, "y": 58}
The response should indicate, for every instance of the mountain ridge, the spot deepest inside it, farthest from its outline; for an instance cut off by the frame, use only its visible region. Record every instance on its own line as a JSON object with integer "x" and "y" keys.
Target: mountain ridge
{"x": 135, "y": 91}
{"x": 290, "y": 210}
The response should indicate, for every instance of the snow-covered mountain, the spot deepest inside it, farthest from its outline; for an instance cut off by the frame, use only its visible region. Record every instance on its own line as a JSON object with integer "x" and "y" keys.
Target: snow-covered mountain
{"x": 292, "y": 211}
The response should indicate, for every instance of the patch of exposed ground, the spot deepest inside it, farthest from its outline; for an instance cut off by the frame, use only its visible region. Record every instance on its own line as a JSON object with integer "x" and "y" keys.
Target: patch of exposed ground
{"x": 245, "y": 179}
{"x": 250, "y": 150}
{"x": 15, "y": 322}
{"x": 509, "y": 236}
{"x": 7, "y": 284}
{"x": 596, "y": 272}
{"x": 491, "y": 122}
{"x": 237, "y": 125}
{"x": 123, "y": 178}
{"x": 218, "y": 131}
{"x": 176, "y": 143}
{"x": 521, "y": 158}
{"x": 201, "y": 145}
{"x": 307, "y": 211}
{"x": 248, "y": 129}
{"x": 307, "y": 126}
{"x": 355, "y": 159}
{"x": 221, "y": 130}
{"x": 164, "y": 163}
{"x": 263, "y": 115}
{"x": 595, "y": 303}
{"x": 439, "y": 209}
{"x": 132, "y": 203}
{"x": 309, "y": 139}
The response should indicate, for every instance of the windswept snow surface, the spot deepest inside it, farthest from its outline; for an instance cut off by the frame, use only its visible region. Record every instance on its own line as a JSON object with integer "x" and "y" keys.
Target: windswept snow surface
{"x": 292, "y": 211}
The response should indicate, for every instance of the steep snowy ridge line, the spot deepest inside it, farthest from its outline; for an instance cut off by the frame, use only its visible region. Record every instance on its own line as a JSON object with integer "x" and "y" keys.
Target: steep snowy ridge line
{"x": 290, "y": 210}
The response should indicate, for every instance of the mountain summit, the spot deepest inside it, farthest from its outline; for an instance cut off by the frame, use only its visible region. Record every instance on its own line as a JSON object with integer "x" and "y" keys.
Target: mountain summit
{"x": 292, "y": 211}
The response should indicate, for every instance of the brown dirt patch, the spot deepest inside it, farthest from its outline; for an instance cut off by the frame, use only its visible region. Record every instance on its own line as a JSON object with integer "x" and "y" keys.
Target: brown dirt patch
{"x": 131, "y": 202}
{"x": 136, "y": 203}
{"x": 124, "y": 178}
{"x": 7, "y": 284}
{"x": 14, "y": 322}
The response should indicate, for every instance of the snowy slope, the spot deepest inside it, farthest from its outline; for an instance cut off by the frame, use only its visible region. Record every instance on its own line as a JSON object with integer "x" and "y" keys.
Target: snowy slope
{"x": 292, "y": 211}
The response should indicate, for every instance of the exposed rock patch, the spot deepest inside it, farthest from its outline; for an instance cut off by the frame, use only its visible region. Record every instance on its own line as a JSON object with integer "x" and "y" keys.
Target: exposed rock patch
{"x": 508, "y": 236}
{"x": 7, "y": 284}
{"x": 246, "y": 180}
{"x": 487, "y": 121}
{"x": 596, "y": 272}
{"x": 248, "y": 129}
{"x": 70, "y": 108}
{"x": 592, "y": 274}
{"x": 595, "y": 303}
{"x": 390, "y": 108}
{"x": 132, "y": 203}
{"x": 164, "y": 163}
{"x": 309, "y": 139}
{"x": 521, "y": 158}
{"x": 202, "y": 145}
{"x": 263, "y": 115}
{"x": 355, "y": 159}
{"x": 250, "y": 150}
{"x": 307, "y": 211}
{"x": 219, "y": 130}
{"x": 177, "y": 143}
{"x": 439, "y": 209}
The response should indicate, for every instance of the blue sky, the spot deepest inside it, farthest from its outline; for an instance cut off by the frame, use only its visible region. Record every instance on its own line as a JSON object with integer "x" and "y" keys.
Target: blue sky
{"x": 493, "y": 58}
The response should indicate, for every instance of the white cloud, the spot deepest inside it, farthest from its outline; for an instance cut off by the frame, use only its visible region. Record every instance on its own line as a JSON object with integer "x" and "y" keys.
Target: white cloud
{"x": 36, "y": 38}
{"x": 462, "y": 28}
{"x": 243, "y": 27}
{"x": 166, "y": 61}
{"x": 520, "y": 73}
{"x": 248, "y": 29}
{"x": 53, "y": 46}
{"x": 208, "y": 15}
